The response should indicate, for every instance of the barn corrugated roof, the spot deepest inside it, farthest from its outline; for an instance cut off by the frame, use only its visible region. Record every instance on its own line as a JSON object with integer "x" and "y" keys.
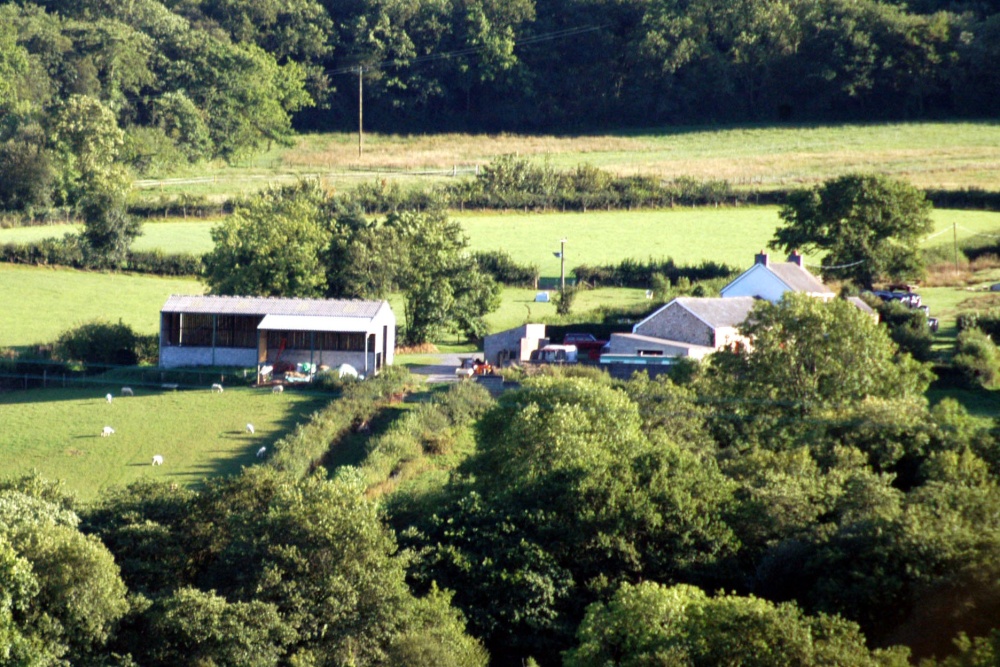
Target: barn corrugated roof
{"x": 252, "y": 305}
{"x": 719, "y": 311}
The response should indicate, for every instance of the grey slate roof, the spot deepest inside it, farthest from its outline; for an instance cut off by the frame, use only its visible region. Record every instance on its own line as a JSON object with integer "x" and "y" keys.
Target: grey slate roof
{"x": 861, "y": 305}
{"x": 719, "y": 311}
{"x": 253, "y": 305}
{"x": 798, "y": 278}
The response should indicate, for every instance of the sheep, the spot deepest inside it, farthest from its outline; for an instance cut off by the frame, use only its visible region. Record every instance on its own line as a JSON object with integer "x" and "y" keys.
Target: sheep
{"x": 109, "y": 398}
{"x": 127, "y": 391}
{"x": 157, "y": 460}
{"x": 261, "y": 452}
{"x": 107, "y": 431}
{"x": 250, "y": 429}
{"x": 217, "y": 388}
{"x": 277, "y": 389}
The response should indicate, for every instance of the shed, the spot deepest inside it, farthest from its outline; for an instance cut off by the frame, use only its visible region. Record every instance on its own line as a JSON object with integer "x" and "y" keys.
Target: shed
{"x": 260, "y": 331}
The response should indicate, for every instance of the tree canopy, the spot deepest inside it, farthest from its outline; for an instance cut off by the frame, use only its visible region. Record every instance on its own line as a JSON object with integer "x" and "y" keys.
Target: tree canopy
{"x": 868, "y": 226}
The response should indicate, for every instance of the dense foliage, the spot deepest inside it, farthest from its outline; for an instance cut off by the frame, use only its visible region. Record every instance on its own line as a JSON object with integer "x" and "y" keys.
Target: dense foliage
{"x": 298, "y": 241}
{"x": 792, "y": 502}
{"x": 868, "y": 226}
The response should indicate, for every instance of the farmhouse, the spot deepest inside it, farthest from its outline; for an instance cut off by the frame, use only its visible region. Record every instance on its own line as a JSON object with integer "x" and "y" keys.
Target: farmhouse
{"x": 262, "y": 332}
{"x": 686, "y": 327}
{"x": 770, "y": 280}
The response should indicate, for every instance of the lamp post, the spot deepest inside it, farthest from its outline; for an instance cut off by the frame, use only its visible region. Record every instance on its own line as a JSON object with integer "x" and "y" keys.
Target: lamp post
{"x": 562, "y": 266}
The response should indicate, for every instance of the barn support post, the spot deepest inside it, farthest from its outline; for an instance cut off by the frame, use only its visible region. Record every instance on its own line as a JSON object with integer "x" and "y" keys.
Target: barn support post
{"x": 215, "y": 319}
{"x": 312, "y": 347}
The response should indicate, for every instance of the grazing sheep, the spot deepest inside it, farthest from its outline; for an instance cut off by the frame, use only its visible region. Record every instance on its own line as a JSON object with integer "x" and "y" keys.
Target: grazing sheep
{"x": 127, "y": 391}
{"x": 109, "y": 398}
{"x": 277, "y": 389}
{"x": 250, "y": 429}
{"x": 217, "y": 388}
{"x": 261, "y": 452}
{"x": 107, "y": 431}
{"x": 157, "y": 460}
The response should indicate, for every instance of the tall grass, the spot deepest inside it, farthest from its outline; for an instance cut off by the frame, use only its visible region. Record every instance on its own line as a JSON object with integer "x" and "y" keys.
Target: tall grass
{"x": 934, "y": 155}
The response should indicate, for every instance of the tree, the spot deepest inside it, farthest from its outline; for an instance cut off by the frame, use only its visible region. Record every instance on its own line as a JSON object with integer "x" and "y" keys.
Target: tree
{"x": 868, "y": 226}
{"x": 564, "y": 498}
{"x": 652, "y": 624}
{"x": 272, "y": 245}
{"x": 443, "y": 289}
{"x": 806, "y": 355}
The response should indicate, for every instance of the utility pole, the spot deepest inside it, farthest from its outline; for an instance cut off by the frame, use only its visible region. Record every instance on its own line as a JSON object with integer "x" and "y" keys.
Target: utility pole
{"x": 562, "y": 266}
{"x": 360, "y": 113}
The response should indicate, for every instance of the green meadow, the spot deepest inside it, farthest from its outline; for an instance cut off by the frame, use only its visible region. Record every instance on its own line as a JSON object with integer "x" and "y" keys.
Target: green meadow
{"x": 198, "y": 433}
{"x": 39, "y": 303}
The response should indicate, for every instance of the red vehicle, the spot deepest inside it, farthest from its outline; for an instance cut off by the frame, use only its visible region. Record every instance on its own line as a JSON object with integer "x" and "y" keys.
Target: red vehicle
{"x": 588, "y": 345}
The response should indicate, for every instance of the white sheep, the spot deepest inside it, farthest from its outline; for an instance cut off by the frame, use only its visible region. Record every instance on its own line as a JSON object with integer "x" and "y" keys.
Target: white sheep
{"x": 157, "y": 460}
{"x": 107, "y": 431}
{"x": 109, "y": 398}
{"x": 217, "y": 388}
{"x": 127, "y": 391}
{"x": 277, "y": 389}
{"x": 261, "y": 452}
{"x": 250, "y": 429}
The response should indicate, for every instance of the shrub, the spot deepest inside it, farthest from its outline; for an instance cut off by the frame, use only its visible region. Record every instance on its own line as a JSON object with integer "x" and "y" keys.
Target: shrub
{"x": 503, "y": 268}
{"x": 988, "y": 322}
{"x": 908, "y": 329}
{"x": 564, "y": 302}
{"x": 976, "y": 356}
{"x": 99, "y": 343}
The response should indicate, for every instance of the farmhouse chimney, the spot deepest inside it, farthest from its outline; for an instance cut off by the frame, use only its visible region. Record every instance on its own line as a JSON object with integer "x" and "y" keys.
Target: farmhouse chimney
{"x": 795, "y": 258}
{"x": 760, "y": 258}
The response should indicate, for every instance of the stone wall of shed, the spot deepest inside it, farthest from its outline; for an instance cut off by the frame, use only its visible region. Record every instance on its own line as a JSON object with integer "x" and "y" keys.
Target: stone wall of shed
{"x": 676, "y": 323}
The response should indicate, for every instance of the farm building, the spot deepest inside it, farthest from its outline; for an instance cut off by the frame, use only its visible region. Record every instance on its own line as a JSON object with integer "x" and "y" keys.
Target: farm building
{"x": 514, "y": 345}
{"x": 770, "y": 280}
{"x": 261, "y": 332}
{"x": 707, "y": 322}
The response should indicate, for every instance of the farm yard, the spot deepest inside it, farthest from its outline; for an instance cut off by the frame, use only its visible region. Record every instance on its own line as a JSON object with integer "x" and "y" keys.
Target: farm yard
{"x": 198, "y": 433}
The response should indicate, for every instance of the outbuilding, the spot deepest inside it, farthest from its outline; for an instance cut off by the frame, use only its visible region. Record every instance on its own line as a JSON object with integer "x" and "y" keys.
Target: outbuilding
{"x": 260, "y": 331}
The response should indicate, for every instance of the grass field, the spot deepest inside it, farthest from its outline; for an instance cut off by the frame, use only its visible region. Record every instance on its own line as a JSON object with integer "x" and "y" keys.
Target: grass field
{"x": 728, "y": 235}
{"x": 945, "y": 155}
{"x": 39, "y": 303}
{"x": 199, "y": 434}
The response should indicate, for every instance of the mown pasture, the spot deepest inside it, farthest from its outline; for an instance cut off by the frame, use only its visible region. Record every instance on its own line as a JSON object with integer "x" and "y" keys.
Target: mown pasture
{"x": 199, "y": 433}
{"x": 939, "y": 155}
{"x": 39, "y": 303}
{"x": 690, "y": 236}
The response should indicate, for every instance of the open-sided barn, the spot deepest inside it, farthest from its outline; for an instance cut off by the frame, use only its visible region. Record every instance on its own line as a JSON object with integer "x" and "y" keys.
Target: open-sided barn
{"x": 258, "y": 331}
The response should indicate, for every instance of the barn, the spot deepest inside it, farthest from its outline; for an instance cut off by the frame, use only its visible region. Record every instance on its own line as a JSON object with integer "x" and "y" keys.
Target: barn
{"x": 266, "y": 332}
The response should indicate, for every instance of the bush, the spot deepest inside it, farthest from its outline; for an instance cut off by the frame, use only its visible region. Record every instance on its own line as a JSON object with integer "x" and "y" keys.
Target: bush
{"x": 977, "y": 358}
{"x": 99, "y": 343}
{"x": 908, "y": 329}
{"x": 987, "y": 322}
{"x": 564, "y": 302}
{"x": 503, "y": 268}
{"x": 641, "y": 274}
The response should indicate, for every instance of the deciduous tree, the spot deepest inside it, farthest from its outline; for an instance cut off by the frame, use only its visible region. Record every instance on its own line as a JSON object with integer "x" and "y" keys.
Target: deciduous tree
{"x": 869, "y": 227}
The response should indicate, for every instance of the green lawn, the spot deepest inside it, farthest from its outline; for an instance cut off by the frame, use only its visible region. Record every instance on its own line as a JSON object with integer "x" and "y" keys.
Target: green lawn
{"x": 199, "y": 433}
{"x": 39, "y": 303}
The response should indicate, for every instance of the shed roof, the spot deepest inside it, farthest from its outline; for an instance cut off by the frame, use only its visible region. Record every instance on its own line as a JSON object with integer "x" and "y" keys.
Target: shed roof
{"x": 314, "y": 323}
{"x": 253, "y": 305}
{"x": 719, "y": 311}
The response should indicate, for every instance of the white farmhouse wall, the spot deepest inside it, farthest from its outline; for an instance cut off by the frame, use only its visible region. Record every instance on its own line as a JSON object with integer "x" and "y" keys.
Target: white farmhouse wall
{"x": 758, "y": 282}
